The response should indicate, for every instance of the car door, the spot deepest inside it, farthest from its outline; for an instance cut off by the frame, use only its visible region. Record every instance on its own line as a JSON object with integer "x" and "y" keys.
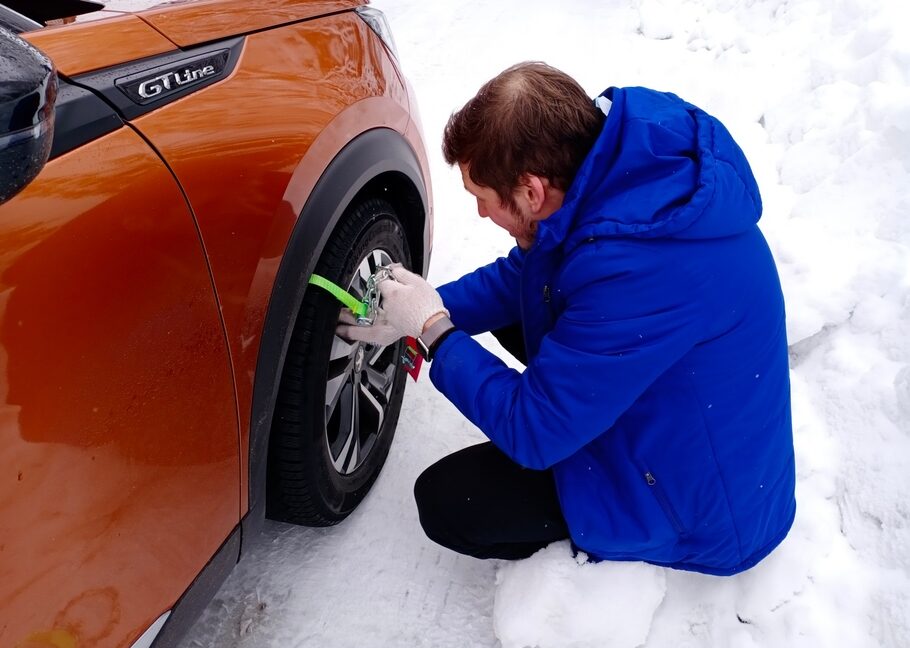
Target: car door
{"x": 119, "y": 449}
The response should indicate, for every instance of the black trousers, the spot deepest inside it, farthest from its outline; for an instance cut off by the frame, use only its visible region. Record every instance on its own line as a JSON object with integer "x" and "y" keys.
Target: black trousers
{"x": 480, "y": 503}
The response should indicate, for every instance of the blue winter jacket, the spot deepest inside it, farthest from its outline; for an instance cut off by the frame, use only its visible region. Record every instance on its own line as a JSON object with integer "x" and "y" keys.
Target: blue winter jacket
{"x": 657, "y": 387}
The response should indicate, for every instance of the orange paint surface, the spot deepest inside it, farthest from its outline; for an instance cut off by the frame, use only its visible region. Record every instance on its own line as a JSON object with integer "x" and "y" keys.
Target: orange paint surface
{"x": 118, "y": 433}
{"x": 206, "y": 20}
{"x": 83, "y": 47}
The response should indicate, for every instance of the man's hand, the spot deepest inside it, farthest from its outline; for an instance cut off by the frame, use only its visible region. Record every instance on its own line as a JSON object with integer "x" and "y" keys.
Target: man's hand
{"x": 409, "y": 301}
{"x": 408, "y": 304}
{"x": 379, "y": 332}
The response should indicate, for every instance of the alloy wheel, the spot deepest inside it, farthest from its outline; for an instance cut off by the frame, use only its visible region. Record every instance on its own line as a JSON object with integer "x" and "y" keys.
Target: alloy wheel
{"x": 359, "y": 385}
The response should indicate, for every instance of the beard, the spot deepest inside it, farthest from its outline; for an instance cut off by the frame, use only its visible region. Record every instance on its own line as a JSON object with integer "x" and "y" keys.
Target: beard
{"x": 525, "y": 228}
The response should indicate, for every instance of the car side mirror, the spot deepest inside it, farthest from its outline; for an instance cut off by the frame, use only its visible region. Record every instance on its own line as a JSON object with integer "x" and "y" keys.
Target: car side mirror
{"x": 28, "y": 89}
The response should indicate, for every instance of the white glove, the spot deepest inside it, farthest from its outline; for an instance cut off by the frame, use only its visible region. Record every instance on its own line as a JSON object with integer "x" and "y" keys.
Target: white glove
{"x": 409, "y": 301}
{"x": 379, "y": 333}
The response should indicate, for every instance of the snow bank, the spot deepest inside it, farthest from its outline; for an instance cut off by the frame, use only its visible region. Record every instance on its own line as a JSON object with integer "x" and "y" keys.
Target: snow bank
{"x": 553, "y": 599}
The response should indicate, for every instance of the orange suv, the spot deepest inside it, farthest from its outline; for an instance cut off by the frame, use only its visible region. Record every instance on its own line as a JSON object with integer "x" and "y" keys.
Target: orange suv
{"x": 170, "y": 179}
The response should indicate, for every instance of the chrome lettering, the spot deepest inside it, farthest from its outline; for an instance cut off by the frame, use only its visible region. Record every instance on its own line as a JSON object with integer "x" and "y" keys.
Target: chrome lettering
{"x": 163, "y": 83}
{"x": 154, "y": 87}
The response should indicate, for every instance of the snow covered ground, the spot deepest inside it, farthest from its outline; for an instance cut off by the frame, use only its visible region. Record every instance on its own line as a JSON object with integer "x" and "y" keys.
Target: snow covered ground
{"x": 817, "y": 94}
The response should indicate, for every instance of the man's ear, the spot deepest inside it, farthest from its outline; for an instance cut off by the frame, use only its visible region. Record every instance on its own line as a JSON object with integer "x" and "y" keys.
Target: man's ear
{"x": 534, "y": 190}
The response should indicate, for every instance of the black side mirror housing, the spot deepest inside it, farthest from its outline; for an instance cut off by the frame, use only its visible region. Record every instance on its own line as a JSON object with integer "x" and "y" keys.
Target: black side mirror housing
{"x": 28, "y": 89}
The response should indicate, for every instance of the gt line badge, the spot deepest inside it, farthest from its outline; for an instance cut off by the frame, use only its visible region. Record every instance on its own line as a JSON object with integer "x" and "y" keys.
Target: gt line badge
{"x": 154, "y": 87}
{"x": 164, "y": 81}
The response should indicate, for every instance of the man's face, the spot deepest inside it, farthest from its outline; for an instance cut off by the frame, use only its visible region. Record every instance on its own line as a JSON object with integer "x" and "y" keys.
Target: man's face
{"x": 518, "y": 222}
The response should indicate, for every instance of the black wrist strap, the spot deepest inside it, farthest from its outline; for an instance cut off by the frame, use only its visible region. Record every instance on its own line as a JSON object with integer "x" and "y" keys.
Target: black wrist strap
{"x": 438, "y": 342}
{"x": 430, "y": 339}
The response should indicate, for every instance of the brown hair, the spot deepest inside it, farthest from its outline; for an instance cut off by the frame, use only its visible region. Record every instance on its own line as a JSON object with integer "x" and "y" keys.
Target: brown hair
{"x": 528, "y": 119}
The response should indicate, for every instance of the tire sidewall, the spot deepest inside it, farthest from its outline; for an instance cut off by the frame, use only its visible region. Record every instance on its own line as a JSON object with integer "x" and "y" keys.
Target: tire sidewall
{"x": 370, "y": 226}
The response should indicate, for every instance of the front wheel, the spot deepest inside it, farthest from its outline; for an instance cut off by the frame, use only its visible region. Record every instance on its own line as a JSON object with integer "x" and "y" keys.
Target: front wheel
{"x": 338, "y": 402}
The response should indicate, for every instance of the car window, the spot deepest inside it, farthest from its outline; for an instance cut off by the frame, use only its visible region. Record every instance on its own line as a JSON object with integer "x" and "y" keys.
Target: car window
{"x": 53, "y": 11}
{"x": 16, "y": 22}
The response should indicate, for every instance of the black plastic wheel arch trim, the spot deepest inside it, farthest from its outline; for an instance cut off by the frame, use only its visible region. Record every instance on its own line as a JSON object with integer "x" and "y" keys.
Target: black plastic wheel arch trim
{"x": 371, "y": 154}
{"x": 81, "y": 116}
{"x": 139, "y": 87}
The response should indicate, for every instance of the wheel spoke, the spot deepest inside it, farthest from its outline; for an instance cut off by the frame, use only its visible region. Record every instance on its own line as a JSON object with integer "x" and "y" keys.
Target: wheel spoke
{"x": 333, "y": 391}
{"x": 341, "y": 357}
{"x": 347, "y": 442}
{"x": 340, "y": 373}
{"x": 363, "y": 274}
{"x": 373, "y": 261}
{"x": 376, "y": 352}
{"x": 340, "y": 366}
{"x": 371, "y": 401}
{"x": 352, "y": 460}
{"x": 381, "y": 381}
{"x": 349, "y": 457}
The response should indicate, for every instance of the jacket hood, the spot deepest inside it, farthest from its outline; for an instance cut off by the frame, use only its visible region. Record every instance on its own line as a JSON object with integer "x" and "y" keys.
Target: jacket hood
{"x": 661, "y": 167}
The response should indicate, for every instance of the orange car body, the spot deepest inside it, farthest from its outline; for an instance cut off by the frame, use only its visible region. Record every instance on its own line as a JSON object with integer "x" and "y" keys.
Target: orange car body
{"x": 137, "y": 276}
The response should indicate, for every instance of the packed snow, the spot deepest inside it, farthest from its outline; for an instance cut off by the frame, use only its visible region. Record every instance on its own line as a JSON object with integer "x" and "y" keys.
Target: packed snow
{"x": 817, "y": 94}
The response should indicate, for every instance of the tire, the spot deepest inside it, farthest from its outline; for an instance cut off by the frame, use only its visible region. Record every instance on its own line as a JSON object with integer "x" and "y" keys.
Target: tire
{"x": 318, "y": 470}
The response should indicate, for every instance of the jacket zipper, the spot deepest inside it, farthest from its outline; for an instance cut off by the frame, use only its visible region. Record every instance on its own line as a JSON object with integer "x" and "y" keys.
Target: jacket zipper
{"x": 664, "y": 503}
